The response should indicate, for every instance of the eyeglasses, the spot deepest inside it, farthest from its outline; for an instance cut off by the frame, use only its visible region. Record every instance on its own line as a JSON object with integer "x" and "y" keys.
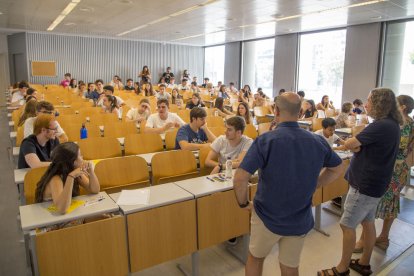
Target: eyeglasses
{"x": 162, "y": 106}
{"x": 46, "y": 112}
{"x": 144, "y": 106}
{"x": 53, "y": 129}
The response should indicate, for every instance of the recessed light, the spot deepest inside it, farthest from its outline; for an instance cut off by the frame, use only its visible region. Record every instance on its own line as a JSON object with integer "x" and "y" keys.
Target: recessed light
{"x": 376, "y": 17}
{"x": 1, "y": 13}
{"x": 126, "y": 1}
{"x": 70, "y": 24}
{"x": 231, "y": 19}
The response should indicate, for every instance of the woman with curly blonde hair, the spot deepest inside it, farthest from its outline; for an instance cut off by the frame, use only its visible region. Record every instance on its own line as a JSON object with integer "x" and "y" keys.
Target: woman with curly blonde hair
{"x": 369, "y": 175}
{"x": 389, "y": 206}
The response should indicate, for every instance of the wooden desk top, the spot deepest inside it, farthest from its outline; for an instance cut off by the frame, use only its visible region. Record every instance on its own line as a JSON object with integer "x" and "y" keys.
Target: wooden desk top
{"x": 160, "y": 195}
{"x": 346, "y": 131}
{"x": 36, "y": 215}
{"x": 19, "y": 175}
{"x": 201, "y": 186}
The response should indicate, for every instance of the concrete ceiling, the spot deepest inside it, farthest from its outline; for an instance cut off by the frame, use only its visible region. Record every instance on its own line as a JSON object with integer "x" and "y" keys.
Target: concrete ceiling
{"x": 195, "y": 22}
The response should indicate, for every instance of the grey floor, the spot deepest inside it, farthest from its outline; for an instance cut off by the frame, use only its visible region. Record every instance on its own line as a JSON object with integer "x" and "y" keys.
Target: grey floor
{"x": 319, "y": 252}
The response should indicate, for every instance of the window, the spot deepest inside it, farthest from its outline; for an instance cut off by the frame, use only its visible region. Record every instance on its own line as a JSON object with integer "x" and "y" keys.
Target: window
{"x": 214, "y": 63}
{"x": 257, "y": 68}
{"x": 321, "y": 65}
{"x": 398, "y": 68}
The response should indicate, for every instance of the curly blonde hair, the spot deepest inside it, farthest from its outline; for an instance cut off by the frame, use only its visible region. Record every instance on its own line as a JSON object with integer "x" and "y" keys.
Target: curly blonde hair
{"x": 384, "y": 104}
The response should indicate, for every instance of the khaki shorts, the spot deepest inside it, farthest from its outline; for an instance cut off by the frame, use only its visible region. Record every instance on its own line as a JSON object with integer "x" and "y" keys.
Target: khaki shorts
{"x": 262, "y": 241}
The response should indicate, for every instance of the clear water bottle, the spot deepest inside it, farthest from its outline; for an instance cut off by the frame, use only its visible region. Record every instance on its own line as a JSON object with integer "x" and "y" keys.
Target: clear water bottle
{"x": 83, "y": 132}
{"x": 216, "y": 113}
{"x": 229, "y": 168}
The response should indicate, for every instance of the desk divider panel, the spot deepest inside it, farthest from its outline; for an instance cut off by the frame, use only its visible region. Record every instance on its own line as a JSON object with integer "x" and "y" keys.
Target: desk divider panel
{"x": 149, "y": 241}
{"x": 338, "y": 188}
{"x": 220, "y": 218}
{"x": 94, "y": 248}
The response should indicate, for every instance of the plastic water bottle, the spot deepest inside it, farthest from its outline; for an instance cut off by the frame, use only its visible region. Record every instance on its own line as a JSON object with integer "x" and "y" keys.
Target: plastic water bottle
{"x": 229, "y": 168}
{"x": 120, "y": 113}
{"x": 83, "y": 132}
{"x": 216, "y": 113}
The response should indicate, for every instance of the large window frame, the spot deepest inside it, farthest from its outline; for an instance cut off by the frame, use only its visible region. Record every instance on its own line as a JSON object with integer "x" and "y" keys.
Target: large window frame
{"x": 386, "y": 59}
{"x": 310, "y": 93}
{"x": 258, "y": 82}
{"x": 214, "y": 78}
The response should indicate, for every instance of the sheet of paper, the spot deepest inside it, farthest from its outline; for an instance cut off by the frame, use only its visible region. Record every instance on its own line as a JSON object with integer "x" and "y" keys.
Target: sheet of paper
{"x": 134, "y": 197}
{"x": 321, "y": 114}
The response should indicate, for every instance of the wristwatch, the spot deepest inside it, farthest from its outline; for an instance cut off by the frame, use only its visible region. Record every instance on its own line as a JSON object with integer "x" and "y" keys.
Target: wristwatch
{"x": 244, "y": 205}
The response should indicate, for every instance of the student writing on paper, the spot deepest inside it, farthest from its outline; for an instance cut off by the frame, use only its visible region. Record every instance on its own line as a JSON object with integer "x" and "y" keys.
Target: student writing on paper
{"x": 65, "y": 174}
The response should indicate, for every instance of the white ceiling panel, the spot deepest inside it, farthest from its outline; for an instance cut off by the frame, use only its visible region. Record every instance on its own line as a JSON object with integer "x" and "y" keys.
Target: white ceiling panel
{"x": 201, "y": 22}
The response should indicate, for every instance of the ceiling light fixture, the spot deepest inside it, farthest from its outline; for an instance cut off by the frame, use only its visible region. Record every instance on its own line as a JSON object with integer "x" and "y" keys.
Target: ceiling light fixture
{"x": 63, "y": 14}
{"x": 331, "y": 9}
{"x": 278, "y": 18}
{"x": 187, "y": 10}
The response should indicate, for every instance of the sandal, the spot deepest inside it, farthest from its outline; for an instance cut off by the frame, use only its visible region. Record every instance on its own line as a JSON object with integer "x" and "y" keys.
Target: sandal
{"x": 383, "y": 244}
{"x": 335, "y": 272}
{"x": 364, "y": 270}
{"x": 358, "y": 249}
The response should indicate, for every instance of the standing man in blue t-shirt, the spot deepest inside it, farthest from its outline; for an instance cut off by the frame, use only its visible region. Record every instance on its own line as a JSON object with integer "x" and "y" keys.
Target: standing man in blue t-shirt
{"x": 289, "y": 160}
{"x": 195, "y": 135}
{"x": 368, "y": 175}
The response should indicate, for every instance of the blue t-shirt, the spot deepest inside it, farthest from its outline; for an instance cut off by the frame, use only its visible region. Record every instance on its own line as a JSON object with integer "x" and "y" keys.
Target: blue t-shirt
{"x": 289, "y": 160}
{"x": 187, "y": 134}
{"x": 371, "y": 168}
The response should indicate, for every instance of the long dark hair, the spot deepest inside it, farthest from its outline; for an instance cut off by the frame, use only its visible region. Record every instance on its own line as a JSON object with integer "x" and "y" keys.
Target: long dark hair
{"x": 325, "y": 104}
{"x": 29, "y": 111}
{"x": 219, "y": 103}
{"x": 313, "y": 108}
{"x": 112, "y": 100}
{"x": 247, "y": 115}
{"x": 63, "y": 159}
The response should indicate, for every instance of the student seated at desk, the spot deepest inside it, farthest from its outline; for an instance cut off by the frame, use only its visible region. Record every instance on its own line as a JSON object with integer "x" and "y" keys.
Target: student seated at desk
{"x": 140, "y": 113}
{"x": 342, "y": 121}
{"x": 195, "y": 102}
{"x": 35, "y": 150}
{"x": 328, "y": 132}
{"x": 195, "y": 135}
{"x": 243, "y": 111}
{"x": 309, "y": 110}
{"x": 29, "y": 112}
{"x": 66, "y": 173}
{"x": 163, "y": 120}
{"x": 233, "y": 145}
{"x": 162, "y": 94}
{"x": 43, "y": 107}
{"x": 219, "y": 105}
{"x": 19, "y": 95}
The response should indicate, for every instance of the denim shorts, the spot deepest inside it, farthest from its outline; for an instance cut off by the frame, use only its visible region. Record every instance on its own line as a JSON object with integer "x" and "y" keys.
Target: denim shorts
{"x": 358, "y": 208}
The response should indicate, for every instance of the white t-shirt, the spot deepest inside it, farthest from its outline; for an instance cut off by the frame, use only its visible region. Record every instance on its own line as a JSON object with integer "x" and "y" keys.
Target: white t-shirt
{"x": 154, "y": 120}
{"x": 331, "y": 140}
{"x": 133, "y": 114}
{"x": 222, "y": 146}
{"x": 28, "y": 127}
{"x": 166, "y": 96}
{"x": 17, "y": 96}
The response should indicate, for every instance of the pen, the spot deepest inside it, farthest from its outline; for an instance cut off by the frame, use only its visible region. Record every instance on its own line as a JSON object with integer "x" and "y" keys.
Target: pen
{"x": 212, "y": 180}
